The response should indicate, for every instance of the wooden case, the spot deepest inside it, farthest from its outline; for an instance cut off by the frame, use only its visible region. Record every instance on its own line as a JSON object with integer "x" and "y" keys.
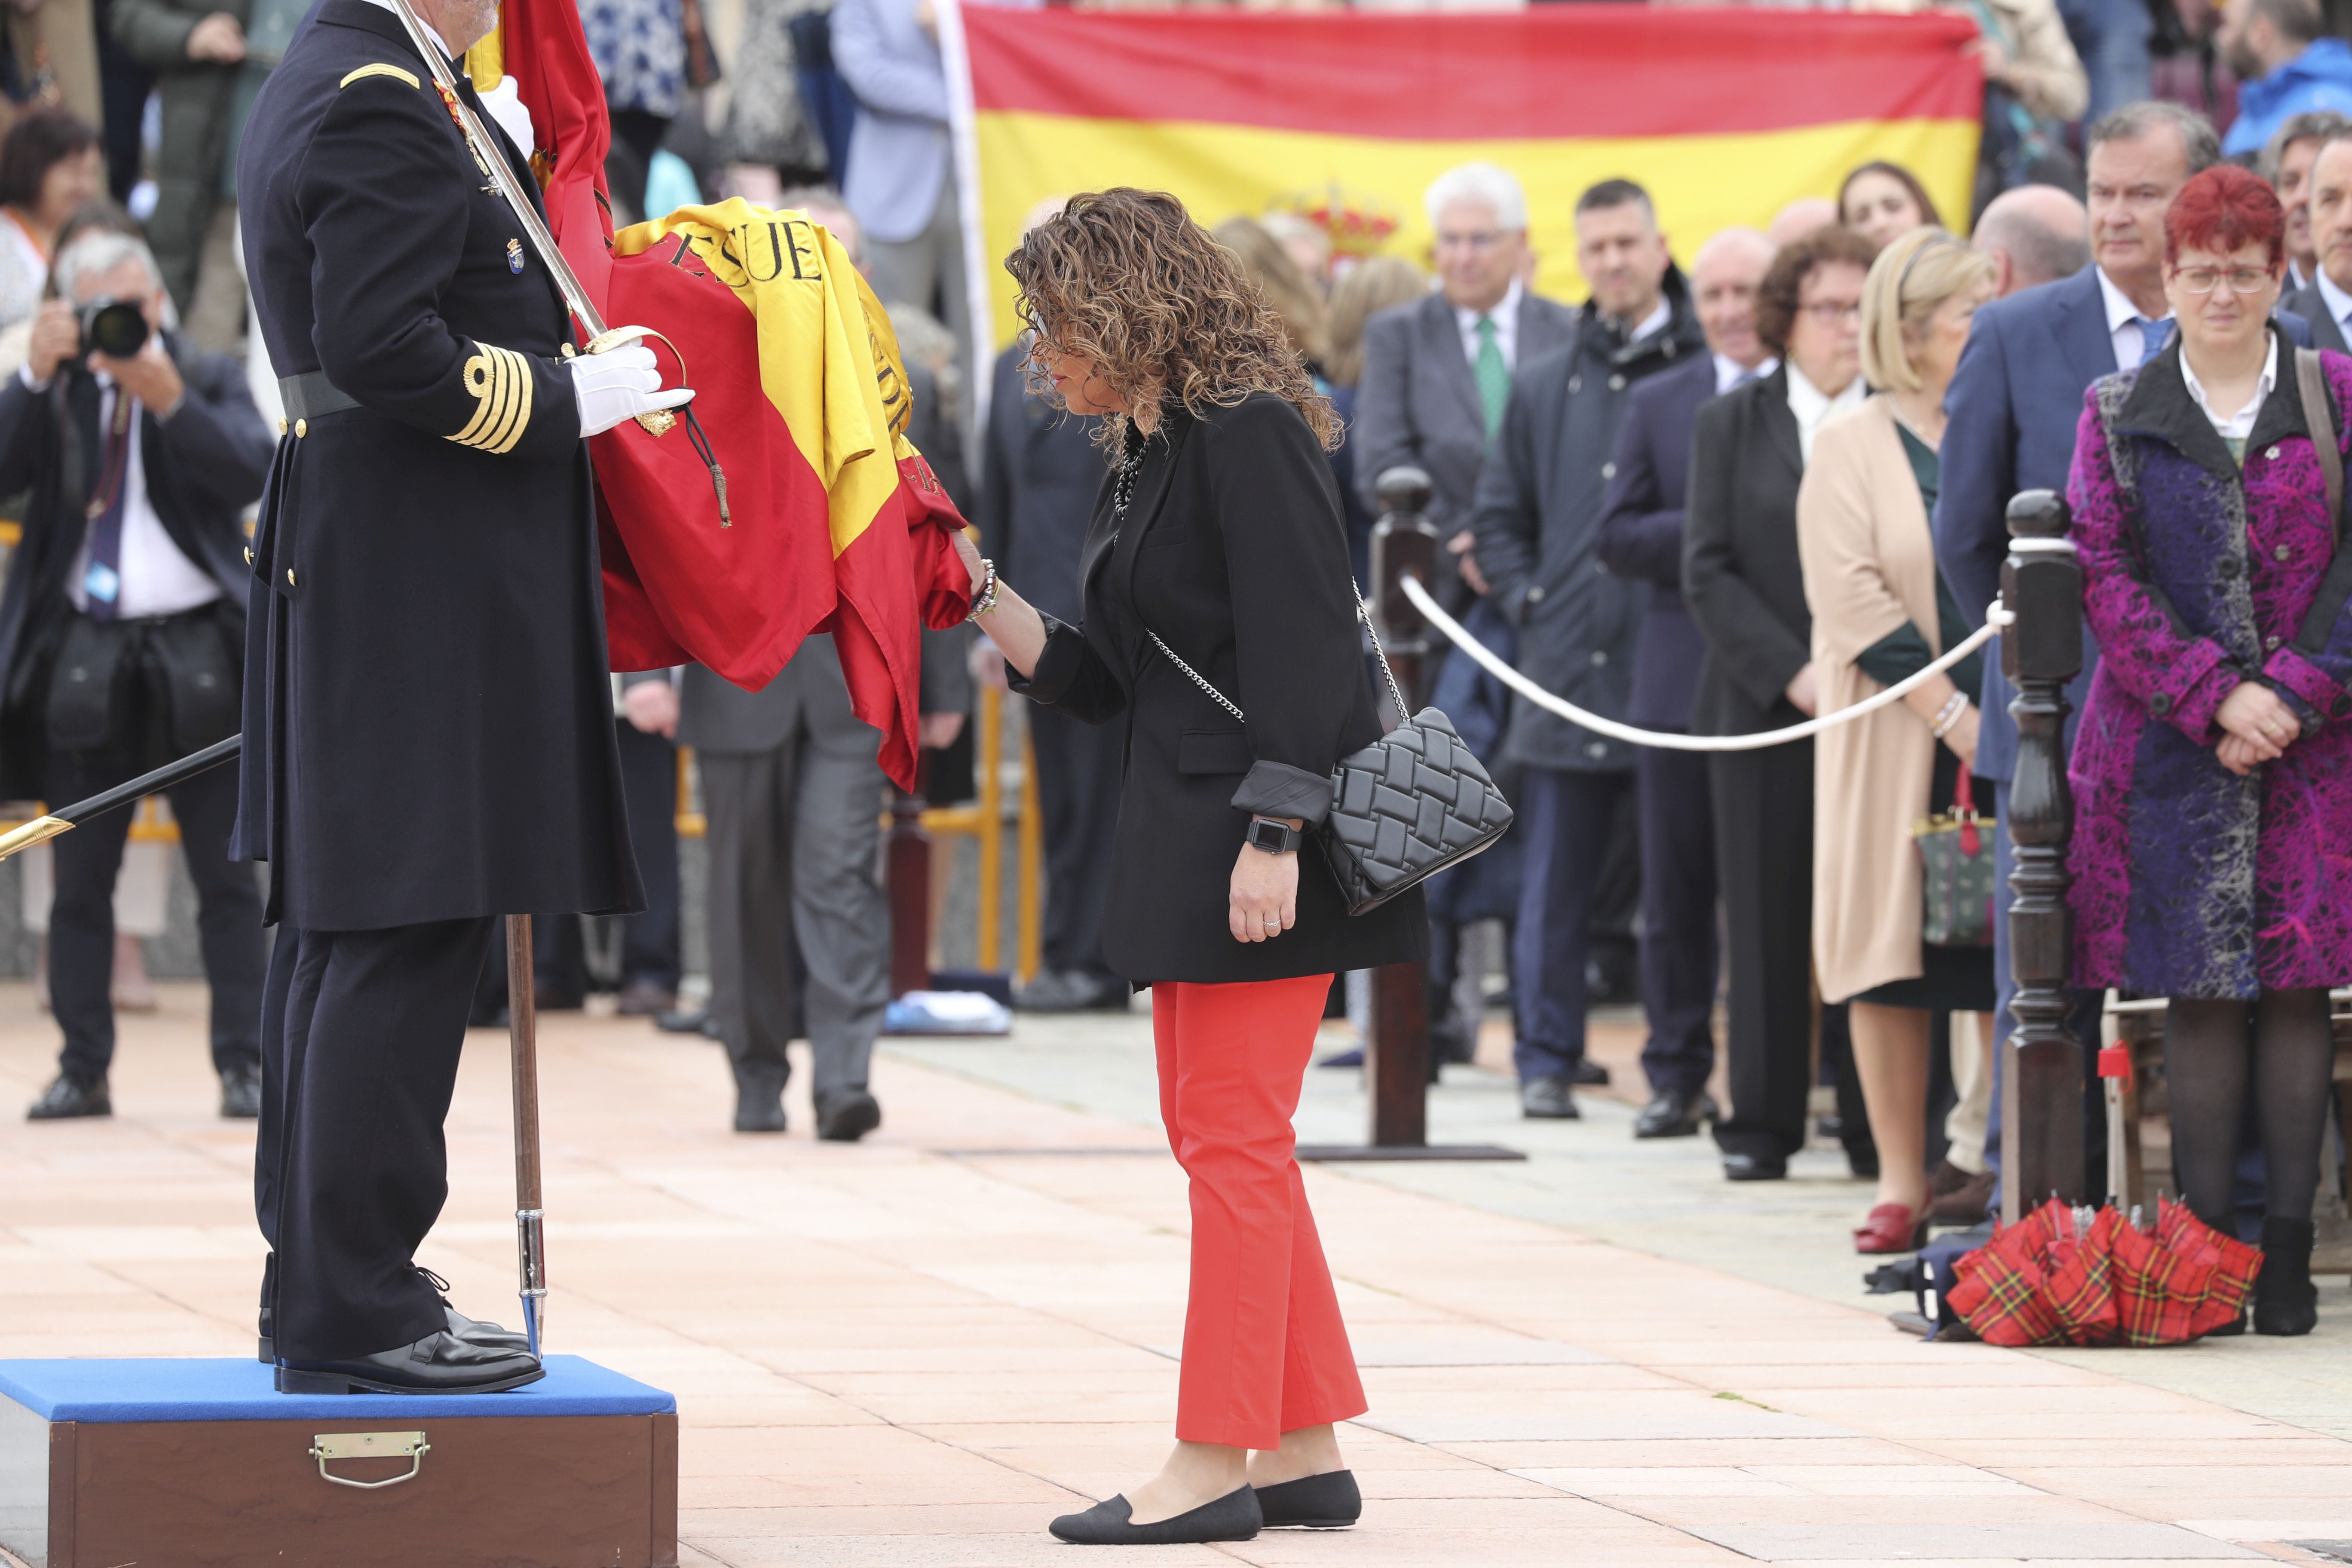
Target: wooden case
{"x": 190, "y": 1464}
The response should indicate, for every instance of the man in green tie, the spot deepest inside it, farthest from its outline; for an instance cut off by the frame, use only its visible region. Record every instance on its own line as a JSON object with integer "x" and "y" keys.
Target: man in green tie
{"x": 1536, "y": 521}
{"x": 1436, "y": 376}
{"x": 1438, "y": 371}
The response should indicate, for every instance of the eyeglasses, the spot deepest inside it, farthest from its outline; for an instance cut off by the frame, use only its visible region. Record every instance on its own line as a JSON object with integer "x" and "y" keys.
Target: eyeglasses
{"x": 1833, "y": 313}
{"x": 2205, "y": 279}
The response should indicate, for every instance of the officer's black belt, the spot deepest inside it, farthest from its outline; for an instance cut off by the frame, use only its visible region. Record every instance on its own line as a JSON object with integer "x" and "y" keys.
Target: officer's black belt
{"x": 311, "y": 396}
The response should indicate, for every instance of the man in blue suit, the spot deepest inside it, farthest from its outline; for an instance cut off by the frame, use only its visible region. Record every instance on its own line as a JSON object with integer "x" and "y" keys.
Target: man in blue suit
{"x": 1641, "y": 539}
{"x": 2012, "y": 411}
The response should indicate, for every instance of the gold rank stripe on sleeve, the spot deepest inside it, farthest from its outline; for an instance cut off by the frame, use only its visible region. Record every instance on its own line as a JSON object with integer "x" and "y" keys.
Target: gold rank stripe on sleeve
{"x": 365, "y": 71}
{"x": 499, "y": 380}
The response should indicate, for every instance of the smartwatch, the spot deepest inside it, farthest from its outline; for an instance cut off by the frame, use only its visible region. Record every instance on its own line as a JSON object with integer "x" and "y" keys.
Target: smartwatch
{"x": 1274, "y": 837}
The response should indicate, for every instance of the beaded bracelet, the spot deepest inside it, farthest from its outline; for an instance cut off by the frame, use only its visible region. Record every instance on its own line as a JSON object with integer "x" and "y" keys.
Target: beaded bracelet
{"x": 985, "y": 600}
{"x": 1949, "y": 714}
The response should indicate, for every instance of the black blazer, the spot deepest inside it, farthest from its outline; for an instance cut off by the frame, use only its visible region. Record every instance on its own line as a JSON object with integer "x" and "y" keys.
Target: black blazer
{"x": 201, "y": 469}
{"x": 1234, "y": 554}
{"x": 1741, "y": 576}
{"x": 1641, "y": 535}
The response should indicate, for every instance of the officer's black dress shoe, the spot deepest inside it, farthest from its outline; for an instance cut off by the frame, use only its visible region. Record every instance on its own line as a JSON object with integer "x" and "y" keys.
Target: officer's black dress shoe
{"x": 473, "y": 1331}
{"x": 1588, "y": 1073}
{"x": 1232, "y": 1517}
{"x": 1547, "y": 1099}
{"x": 1672, "y": 1113}
{"x": 847, "y": 1115}
{"x": 1740, "y": 1166}
{"x": 65, "y": 1099}
{"x": 241, "y": 1091}
{"x": 440, "y": 1363}
{"x": 1328, "y": 1501}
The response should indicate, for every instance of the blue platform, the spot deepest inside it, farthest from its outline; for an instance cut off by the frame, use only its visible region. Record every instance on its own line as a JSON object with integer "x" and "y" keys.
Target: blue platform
{"x": 175, "y": 1390}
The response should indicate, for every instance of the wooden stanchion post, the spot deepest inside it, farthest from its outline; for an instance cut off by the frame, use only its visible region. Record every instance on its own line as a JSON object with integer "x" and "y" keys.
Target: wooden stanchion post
{"x": 1396, "y": 1053}
{"x": 908, "y": 862}
{"x": 2042, "y": 1081}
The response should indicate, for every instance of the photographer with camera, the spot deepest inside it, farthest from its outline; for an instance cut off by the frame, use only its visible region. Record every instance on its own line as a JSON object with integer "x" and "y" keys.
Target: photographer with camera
{"x": 122, "y": 632}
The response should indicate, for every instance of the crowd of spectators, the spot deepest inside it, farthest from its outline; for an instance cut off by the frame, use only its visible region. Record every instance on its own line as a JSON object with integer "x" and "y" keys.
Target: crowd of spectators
{"x": 1864, "y": 386}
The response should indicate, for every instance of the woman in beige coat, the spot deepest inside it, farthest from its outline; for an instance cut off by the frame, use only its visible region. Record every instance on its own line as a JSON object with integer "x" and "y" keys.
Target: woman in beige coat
{"x": 1881, "y": 613}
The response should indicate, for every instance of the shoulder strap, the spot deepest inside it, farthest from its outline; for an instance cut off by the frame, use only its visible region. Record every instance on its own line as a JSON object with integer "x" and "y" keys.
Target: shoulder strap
{"x": 2319, "y": 419}
{"x": 1396, "y": 693}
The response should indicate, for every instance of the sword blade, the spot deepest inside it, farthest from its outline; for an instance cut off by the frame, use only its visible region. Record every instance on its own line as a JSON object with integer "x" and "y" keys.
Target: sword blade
{"x": 489, "y": 147}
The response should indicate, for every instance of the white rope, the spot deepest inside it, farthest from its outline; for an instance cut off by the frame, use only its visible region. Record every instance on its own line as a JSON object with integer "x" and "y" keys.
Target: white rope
{"x": 1995, "y": 618}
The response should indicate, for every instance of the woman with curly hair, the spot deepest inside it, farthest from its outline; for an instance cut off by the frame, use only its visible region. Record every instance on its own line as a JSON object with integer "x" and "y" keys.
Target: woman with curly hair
{"x": 1216, "y": 541}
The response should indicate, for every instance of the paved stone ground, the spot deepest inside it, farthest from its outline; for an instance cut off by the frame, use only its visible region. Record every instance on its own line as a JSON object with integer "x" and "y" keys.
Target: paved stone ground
{"x": 915, "y": 1351}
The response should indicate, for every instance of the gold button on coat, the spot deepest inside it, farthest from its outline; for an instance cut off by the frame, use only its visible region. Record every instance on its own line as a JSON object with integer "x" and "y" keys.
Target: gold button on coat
{"x": 301, "y": 428}
{"x": 290, "y": 577}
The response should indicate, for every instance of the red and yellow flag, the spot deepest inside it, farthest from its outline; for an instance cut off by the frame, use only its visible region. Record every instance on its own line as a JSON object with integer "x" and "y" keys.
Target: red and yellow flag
{"x": 1724, "y": 114}
{"x": 834, "y": 521}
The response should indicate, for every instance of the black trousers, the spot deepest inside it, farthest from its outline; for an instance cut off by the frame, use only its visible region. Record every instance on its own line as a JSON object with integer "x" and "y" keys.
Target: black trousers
{"x": 1569, "y": 818}
{"x": 361, "y": 1036}
{"x": 1764, "y": 859}
{"x": 1680, "y": 963}
{"x": 81, "y": 919}
{"x": 1077, "y": 793}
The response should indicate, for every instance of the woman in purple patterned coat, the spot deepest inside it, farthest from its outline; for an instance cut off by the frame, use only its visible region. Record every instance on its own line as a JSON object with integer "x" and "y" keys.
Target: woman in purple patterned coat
{"x": 2213, "y": 767}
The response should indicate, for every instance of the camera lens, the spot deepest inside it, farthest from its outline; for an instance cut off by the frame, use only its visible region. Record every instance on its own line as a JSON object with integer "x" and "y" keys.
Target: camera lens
{"x": 114, "y": 327}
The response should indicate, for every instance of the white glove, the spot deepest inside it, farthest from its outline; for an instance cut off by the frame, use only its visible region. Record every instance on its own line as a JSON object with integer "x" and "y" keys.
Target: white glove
{"x": 620, "y": 384}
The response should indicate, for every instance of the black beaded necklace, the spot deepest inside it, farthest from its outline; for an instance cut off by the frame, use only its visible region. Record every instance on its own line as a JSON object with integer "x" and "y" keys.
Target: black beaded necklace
{"x": 1122, "y": 490}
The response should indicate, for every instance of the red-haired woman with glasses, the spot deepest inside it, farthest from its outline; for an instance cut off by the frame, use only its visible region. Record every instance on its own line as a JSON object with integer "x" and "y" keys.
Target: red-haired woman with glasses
{"x": 2213, "y": 766}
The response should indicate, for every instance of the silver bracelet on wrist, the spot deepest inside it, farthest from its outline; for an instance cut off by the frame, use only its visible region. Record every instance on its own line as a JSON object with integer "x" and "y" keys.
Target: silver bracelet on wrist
{"x": 985, "y": 600}
{"x": 1949, "y": 714}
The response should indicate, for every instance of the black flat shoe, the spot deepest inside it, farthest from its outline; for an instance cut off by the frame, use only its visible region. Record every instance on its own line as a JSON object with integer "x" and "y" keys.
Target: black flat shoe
{"x": 1232, "y": 1517}
{"x": 440, "y": 1363}
{"x": 2285, "y": 1301}
{"x": 1328, "y": 1501}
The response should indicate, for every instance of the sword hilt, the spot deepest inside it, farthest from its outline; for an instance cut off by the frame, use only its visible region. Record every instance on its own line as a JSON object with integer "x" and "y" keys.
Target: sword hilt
{"x": 661, "y": 421}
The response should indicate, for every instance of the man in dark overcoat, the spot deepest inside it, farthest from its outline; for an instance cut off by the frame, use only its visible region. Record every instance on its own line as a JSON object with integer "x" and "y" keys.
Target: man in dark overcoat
{"x": 1541, "y": 502}
{"x": 427, "y": 720}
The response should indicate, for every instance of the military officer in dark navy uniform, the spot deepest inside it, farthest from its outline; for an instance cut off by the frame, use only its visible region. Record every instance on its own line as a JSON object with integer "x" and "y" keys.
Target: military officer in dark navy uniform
{"x": 428, "y": 720}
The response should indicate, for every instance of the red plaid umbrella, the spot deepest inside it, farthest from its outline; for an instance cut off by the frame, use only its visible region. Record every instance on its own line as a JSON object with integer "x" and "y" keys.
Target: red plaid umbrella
{"x": 2063, "y": 1275}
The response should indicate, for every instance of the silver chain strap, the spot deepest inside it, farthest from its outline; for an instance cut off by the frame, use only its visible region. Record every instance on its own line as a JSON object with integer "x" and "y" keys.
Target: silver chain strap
{"x": 1122, "y": 493}
{"x": 1396, "y": 693}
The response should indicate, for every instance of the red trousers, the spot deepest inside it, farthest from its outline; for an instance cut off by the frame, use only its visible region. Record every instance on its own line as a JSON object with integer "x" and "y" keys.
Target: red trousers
{"x": 1265, "y": 1351}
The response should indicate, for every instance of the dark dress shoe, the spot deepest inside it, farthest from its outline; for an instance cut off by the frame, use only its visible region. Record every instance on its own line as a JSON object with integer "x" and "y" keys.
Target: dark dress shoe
{"x": 65, "y": 1099}
{"x": 1354, "y": 1057}
{"x": 1232, "y": 1517}
{"x": 440, "y": 1363}
{"x": 1742, "y": 1167}
{"x": 1328, "y": 1501}
{"x": 473, "y": 1331}
{"x": 1588, "y": 1073}
{"x": 847, "y": 1116}
{"x": 1958, "y": 1198}
{"x": 1072, "y": 991}
{"x": 1671, "y": 1113}
{"x": 241, "y": 1092}
{"x": 759, "y": 1108}
{"x": 646, "y": 999}
{"x": 687, "y": 1021}
{"x": 1547, "y": 1099}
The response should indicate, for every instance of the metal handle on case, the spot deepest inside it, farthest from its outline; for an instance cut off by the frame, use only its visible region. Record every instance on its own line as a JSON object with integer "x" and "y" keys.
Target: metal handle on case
{"x": 409, "y": 1446}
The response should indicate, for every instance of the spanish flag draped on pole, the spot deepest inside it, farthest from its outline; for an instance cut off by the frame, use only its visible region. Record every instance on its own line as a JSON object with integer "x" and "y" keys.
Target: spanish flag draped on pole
{"x": 827, "y": 519}
{"x": 1723, "y": 114}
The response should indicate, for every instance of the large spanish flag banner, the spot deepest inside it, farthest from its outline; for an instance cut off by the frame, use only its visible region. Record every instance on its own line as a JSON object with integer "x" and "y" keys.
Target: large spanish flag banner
{"x": 1724, "y": 114}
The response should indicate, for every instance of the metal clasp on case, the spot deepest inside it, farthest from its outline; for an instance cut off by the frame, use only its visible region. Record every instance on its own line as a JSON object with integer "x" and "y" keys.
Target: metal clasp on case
{"x": 409, "y": 1446}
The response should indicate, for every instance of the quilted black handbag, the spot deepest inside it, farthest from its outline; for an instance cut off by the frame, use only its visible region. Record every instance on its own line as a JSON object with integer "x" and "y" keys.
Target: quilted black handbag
{"x": 1408, "y": 806}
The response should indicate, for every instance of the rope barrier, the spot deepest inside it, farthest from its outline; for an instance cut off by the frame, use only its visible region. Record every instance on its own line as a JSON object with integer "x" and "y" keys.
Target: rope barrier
{"x": 1995, "y": 618}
